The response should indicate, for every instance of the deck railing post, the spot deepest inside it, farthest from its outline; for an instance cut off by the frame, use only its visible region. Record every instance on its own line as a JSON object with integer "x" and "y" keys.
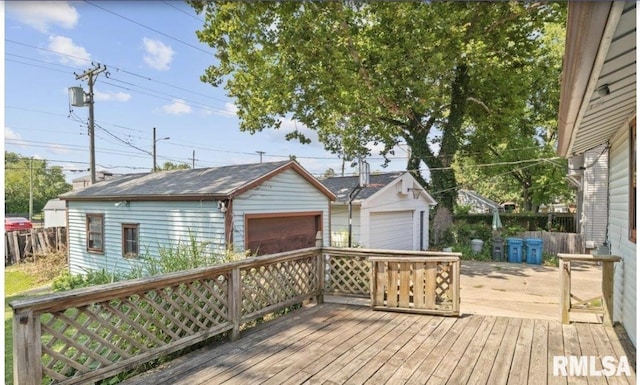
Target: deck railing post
{"x": 456, "y": 286}
{"x": 27, "y": 350}
{"x": 320, "y": 276}
{"x": 565, "y": 290}
{"x": 235, "y": 302}
{"x": 607, "y": 293}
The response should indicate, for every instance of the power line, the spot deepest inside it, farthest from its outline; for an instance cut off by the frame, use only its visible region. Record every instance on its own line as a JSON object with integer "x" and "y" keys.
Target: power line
{"x": 182, "y": 11}
{"x": 34, "y": 65}
{"x": 151, "y": 29}
{"x": 122, "y": 140}
{"x": 168, "y": 97}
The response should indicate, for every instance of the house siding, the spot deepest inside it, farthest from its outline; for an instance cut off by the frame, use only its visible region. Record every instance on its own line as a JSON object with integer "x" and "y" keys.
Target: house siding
{"x": 594, "y": 212}
{"x": 286, "y": 192}
{"x": 161, "y": 225}
{"x": 340, "y": 225}
{"x": 618, "y": 234}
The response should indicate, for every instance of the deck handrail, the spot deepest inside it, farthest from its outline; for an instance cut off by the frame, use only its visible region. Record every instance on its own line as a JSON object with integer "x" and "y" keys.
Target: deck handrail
{"x": 88, "y": 334}
{"x": 586, "y": 306}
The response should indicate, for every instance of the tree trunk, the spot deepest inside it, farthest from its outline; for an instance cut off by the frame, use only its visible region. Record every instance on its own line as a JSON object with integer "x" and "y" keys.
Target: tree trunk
{"x": 443, "y": 179}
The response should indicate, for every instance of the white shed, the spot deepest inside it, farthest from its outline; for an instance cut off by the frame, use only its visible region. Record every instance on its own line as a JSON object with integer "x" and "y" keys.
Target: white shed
{"x": 392, "y": 212}
{"x": 55, "y": 213}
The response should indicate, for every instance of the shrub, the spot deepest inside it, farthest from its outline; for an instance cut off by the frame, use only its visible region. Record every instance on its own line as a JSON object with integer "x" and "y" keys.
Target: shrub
{"x": 182, "y": 256}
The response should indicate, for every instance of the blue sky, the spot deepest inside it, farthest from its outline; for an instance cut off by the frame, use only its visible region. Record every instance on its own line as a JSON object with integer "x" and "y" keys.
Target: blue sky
{"x": 154, "y": 62}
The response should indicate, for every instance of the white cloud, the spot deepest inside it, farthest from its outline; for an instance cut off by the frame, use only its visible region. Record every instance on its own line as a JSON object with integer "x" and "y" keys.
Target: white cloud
{"x": 16, "y": 139}
{"x": 111, "y": 96}
{"x": 177, "y": 107}
{"x": 42, "y": 14}
{"x": 158, "y": 55}
{"x": 74, "y": 53}
{"x": 230, "y": 109}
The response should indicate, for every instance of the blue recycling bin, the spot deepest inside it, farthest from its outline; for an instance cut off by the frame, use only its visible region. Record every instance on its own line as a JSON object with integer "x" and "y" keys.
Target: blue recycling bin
{"x": 514, "y": 250}
{"x": 534, "y": 251}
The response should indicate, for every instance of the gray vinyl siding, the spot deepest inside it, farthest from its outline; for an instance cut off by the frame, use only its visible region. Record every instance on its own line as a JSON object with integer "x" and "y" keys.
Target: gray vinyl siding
{"x": 161, "y": 225}
{"x": 625, "y": 274}
{"x": 594, "y": 211}
{"x": 286, "y": 192}
{"x": 340, "y": 225}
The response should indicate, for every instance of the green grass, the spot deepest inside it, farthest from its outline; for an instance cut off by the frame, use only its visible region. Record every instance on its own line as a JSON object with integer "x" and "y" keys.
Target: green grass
{"x": 16, "y": 283}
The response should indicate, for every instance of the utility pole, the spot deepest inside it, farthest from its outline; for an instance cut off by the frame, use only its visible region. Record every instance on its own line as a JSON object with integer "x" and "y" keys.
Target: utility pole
{"x": 31, "y": 189}
{"x": 154, "y": 147}
{"x": 90, "y": 74}
{"x": 154, "y": 150}
{"x": 193, "y": 159}
{"x": 260, "y": 153}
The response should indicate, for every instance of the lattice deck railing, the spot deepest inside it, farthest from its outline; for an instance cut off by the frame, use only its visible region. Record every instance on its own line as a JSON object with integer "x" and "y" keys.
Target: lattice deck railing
{"x": 85, "y": 335}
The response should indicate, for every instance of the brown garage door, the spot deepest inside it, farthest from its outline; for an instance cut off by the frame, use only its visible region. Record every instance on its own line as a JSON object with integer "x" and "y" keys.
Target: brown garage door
{"x": 275, "y": 233}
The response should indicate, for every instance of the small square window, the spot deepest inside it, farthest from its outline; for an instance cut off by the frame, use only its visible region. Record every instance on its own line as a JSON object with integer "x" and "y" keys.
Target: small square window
{"x": 130, "y": 240}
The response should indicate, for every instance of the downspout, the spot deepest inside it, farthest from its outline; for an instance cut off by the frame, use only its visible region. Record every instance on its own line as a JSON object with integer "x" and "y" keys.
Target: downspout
{"x": 352, "y": 196}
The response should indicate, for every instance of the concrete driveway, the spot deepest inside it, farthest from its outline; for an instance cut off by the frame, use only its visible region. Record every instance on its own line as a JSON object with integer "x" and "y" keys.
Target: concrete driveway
{"x": 524, "y": 291}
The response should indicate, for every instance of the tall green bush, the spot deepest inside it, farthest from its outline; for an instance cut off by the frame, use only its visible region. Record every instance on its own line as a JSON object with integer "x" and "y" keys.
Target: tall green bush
{"x": 184, "y": 255}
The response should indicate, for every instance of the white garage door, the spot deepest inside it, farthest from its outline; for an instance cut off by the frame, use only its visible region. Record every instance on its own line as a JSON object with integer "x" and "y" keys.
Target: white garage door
{"x": 392, "y": 230}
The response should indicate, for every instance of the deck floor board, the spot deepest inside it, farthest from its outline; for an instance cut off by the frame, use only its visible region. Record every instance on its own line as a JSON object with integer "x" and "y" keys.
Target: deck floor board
{"x": 346, "y": 344}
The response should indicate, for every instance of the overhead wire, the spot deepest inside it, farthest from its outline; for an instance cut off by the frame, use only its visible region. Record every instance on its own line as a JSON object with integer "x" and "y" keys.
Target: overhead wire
{"x": 150, "y": 28}
{"x": 183, "y": 11}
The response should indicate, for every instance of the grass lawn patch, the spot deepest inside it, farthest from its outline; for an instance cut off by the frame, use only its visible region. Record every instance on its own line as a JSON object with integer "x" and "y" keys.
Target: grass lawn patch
{"x": 18, "y": 281}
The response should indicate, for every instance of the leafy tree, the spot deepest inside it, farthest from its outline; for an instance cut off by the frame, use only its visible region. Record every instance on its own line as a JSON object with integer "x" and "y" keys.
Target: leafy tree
{"x": 329, "y": 173}
{"x": 169, "y": 166}
{"x": 48, "y": 183}
{"x": 525, "y": 169}
{"x": 359, "y": 72}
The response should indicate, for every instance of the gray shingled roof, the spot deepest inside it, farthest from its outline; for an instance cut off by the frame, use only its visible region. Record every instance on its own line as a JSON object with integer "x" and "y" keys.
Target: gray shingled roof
{"x": 341, "y": 186}
{"x": 218, "y": 182}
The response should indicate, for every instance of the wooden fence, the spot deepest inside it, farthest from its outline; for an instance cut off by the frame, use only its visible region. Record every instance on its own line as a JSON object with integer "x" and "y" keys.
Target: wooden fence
{"x": 556, "y": 243}
{"x": 85, "y": 335}
{"x": 417, "y": 284}
{"x": 22, "y": 244}
{"x": 412, "y": 281}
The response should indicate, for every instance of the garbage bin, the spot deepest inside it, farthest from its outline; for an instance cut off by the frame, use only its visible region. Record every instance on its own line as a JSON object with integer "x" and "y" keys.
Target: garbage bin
{"x": 476, "y": 246}
{"x": 497, "y": 249}
{"x": 533, "y": 250}
{"x": 514, "y": 250}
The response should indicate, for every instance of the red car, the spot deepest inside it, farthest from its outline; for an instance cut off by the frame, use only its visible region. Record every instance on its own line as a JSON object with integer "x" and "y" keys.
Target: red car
{"x": 17, "y": 223}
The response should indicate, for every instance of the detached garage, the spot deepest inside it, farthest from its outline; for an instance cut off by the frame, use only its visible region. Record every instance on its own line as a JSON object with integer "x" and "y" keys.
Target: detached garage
{"x": 392, "y": 212}
{"x": 260, "y": 208}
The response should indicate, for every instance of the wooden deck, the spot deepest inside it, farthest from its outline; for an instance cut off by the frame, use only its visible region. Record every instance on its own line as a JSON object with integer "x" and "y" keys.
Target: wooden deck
{"x": 346, "y": 344}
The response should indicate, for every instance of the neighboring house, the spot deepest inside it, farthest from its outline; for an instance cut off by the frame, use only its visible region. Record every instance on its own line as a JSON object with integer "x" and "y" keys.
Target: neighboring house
{"x": 85, "y": 181}
{"x": 588, "y": 173}
{"x": 391, "y": 212}
{"x": 55, "y": 213}
{"x": 598, "y": 107}
{"x": 265, "y": 208}
{"x": 478, "y": 203}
